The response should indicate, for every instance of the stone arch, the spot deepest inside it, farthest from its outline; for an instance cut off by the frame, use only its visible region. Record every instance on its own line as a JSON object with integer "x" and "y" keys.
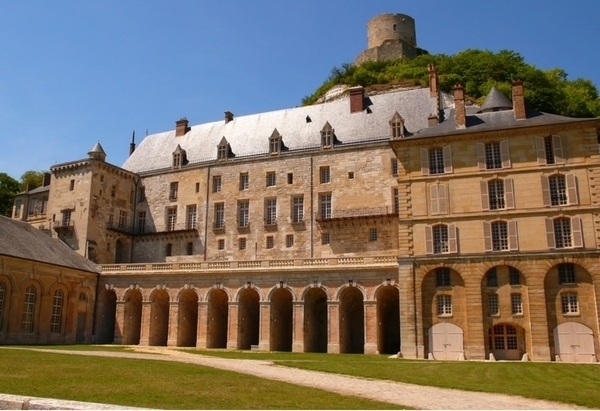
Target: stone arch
{"x": 187, "y": 322}
{"x": 5, "y": 303}
{"x": 248, "y": 317}
{"x": 506, "y": 341}
{"x": 306, "y": 289}
{"x": 342, "y": 289}
{"x": 159, "y": 317}
{"x": 84, "y": 307}
{"x": 315, "y": 319}
{"x": 27, "y": 281}
{"x": 388, "y": 318}
{"x": 281, "y": 324}
{"x": 132, "y": 323}
{"x": 352, "y": 321}
{"x": 281, "y": 285}
{"x": 186, "y": 288}
{"x": 58, "y": 324}
{"x": 218, "y": 316}
{"x": 249, "y": 286}
{"x": 106, "y": 316}
{"x": 30, "y": 314}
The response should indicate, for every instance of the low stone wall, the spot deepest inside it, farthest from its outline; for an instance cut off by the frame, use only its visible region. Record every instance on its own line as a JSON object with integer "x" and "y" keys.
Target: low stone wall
{"x": 20, "y": 402}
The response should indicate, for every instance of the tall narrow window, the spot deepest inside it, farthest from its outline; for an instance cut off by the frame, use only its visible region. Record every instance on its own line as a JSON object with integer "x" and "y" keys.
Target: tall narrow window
{"x": 169, "y": 250}
{"x": 493, "y": 304}
{"x": 270, "y": 241}
{"x": 122, "y": 219}
{"x": 493, "y": 155}
{"x": 173, "y": 189}
{"x": 289, "y": 240}
{"x": 436, "y": 161}
{"x": 496, "y": 193}
{"x": 190, "y": 248}
{"x": 271, "y": 211}
{"x": 438, "y": 199}
{"x": 394, "y": 167}
{"x": 216, "y": 184}
{"x": 242, "y": 243}
{"x": 271, "y": 179}
{"x": 549, "y": 150}
{"x": 244, "y": 181}
{"x": 141, "y": 226}
{"x": 569, "y": 303}
{"x": 395, "y": 201}
{"x": 444, "y": 305}
{"x": 298, "y": 209}
{"x": 442, "y": 277}
{"x": 325, "y": 206}
{"x": 325, "y": 238}
{"x": 397, "y": 124}
{"x": 558, "y": 190}
{"x": 562, "y": 232}
{"x": 191, "y": 217}
{"x": 2, "y": 297}
{"x": 440, "y": 239}
{"x": 493, "y": 159}
{"x": 327, "y": 136}
{"x": 141, "y": 195}
{"x": 171, "y": 218}
{"x": 219, "y": 216}
{"x": 373, "y": 234}
{"x": 566, "y": 273}
{"x": 243, "y": 213}
{"x": 72, "y": 185}
{"x": 499, "y": 236}
{"x": 325, "y": 174}
{"x": 223, "y": 150}
{"x": 492, "y": 277}
{"x": 28, "y": 310}
{"x": 514, "y": 276}
{"x": 516, "y": 304}
{"x": 57, "y": 305}
{"x": 275, "y": 143}
{"x": 66, "y": 218}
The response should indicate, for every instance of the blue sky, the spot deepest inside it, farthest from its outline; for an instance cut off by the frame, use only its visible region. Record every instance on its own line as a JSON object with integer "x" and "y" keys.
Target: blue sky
{"x": 76, "y": 72}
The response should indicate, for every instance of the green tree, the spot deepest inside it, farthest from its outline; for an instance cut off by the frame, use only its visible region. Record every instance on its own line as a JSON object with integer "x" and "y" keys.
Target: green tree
{"x": 8, "y": 188}
{"x": 32, "y": 179}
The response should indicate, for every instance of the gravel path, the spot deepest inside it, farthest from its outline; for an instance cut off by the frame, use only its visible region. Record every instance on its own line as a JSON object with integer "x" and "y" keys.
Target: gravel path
{"x": 415, "y": 396}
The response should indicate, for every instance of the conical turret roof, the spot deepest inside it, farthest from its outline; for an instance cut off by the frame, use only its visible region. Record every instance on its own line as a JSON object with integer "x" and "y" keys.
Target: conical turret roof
{"x": 97, "y": 152}
{"x": 495, "y": 101}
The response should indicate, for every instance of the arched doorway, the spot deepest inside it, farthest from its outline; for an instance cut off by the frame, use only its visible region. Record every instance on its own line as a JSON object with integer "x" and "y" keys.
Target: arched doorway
{"x": 107, "y": 309}
{"x": 388, "y": 320}
{"x": 315, "y": 320}
{"x": 574, "y": 342}
{"x": 281, "y": 320}
{"x": 159, "y": 318}
{"x": 187, "y": 329}
{"x": 133, "y": 317}
{"x": 352, "y": 321}
{"x": 506, "y": 341}
{"x": 248, "y": 319}
{"x": 446, "y": 341}
{"x": 217, "y": 319}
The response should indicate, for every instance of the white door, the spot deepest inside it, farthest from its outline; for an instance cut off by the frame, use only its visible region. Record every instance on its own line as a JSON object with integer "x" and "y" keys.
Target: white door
{"x": 446, "y": 341}
{"x": 574, "y": 342}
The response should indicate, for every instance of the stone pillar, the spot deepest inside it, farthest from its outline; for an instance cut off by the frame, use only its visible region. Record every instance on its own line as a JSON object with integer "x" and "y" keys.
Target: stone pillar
{"x": 333, "y": 327}
{"x": 411, "y": 333}
{"x": 70, "y": 320}
{"x": 41, "y": 320}
{"x": 202, "y": 324}
{"x": 298, "y": 326}
{"x": 173, "y": 324}
{"x": 370, "y": 321}
{"x": 145, "y": 323}
{"x": 119, "y": 322}
{"x": 232, "y": 326}
{"x": 538, "y": 317}
{"x": 474, "y": 341}
{"x": 264, "y": 332}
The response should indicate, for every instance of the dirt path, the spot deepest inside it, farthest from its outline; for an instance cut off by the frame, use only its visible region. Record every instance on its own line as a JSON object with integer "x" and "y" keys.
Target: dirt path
{"x": 410, "y": 395}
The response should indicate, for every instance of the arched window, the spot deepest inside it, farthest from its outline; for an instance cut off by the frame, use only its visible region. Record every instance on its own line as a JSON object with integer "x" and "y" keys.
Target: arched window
{"x": 57, "y": 305}
{"x": 28, "y": 309}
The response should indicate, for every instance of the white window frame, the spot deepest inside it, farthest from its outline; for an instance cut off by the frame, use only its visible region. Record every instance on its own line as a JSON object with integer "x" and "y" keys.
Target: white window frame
{"x": 444, "y": 305}
{"x": 569, "y": 303}
{"x": 325, "y": 174}
{"x": 192, "y": 217}
{"x": 56, "y": 317}
{"x": 270, "y": 211}
{"x": 171, "y": 218}
{"x": 493, "y": 307}
{"x": 516, "y": 303}
{"x": 243, "y": 213}
{"x": 325, "y": 206}
{"x": 29, "y": 303}
{"x": 297, "y": 209}
{"x": 219, "y": 215}
{"x": 271, "y": 179}
{"x": 244, "y": 181}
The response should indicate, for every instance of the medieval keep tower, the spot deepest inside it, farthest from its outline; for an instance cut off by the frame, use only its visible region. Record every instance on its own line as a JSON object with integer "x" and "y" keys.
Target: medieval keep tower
{"x": 390, "y": 36}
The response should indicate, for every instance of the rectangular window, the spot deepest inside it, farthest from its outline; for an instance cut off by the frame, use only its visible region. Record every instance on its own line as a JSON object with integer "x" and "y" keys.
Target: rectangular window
{"x": 325, "y": 238}
{"x": 444, "y": 305}
{"x": 222, "y": 150}
{"x": 562, "y": 232}
{"x": 171, "y": 218}
{"x": 492, "y": 304}
{"x": 298, "y": 209}
{"x": 394, "y": 167}
{"x": 566, "y": 273}
{"x": 373, "y": 234}
{"x": 493, "y": 157}
{"x": 190, "y": 248}
{"x": 216, "y": 184}
{"x": 113, "y": 191}
{"x": 442, "y": 277}
{"x": 72, "y": 185}
{"x": 221, "y": 244}
{"x": 514, "y": 276}
{"x": 290, "y": 178}
{"x": 141, "y": 226}
{"x": 395, "y": 201}
{"x": 244, "y": 181}
{"x": 271, "y": 211}
{"x": 122, "y": 219}
{"x": 271, "y": 179}
{"x": 191, "y": 217}
{"x": 558, "y": 190}
{"x": 325, "y": 174}
{"x": 28, "y": 310}
{"x": 142, "y": 195}
{"x": 549, "y": 150}
{"x": 66, "y": 218}
{"x": 270, "y": 241}
{"x": 243, "y": 213}
{"x": 56, "y": 319}
{"x": 197, "y": 188}
{"x": 569, "y": 303}
{"x": 496, "y": 193}
{"x": 436, "y": 161}
{"x": 219, "y": 215}
{"x": 350, "y": 175}
{"x": 492, "y": 277}
{"x": 499, "y": 236}
{"x": 516, "y": 304}
{"x": 325, "y": 206}
{"x": 110, "y": 219}
{"x": 173, "y": 191}
{"x": 242, "y": 243}
{"x": 440, "y": 239}
{"x": 18, "y": 205}
{"x": 289, "y": 240}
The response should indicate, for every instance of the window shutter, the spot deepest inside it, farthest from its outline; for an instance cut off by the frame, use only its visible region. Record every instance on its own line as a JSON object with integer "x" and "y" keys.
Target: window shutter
{"x": 447, "y": 151}
{"x": 428, "y": 240}
{"x": 485, "y": 198}
{"x": 577, "y": 232}
{"x": 513, "y": 239}
{"x": 434, "y": 199}
{"x": 541, "y": 150}
{"x": 480, "y": 156}
{"x": 505, "y": 153}
{"x": 571, "y": 181}
{"x": 559, "y": 157}
{"x": 509, "y": 193}
{"x": 487, "y": 236}
{"x": 424, "y": 161}
{"x": 550, "y": 233}
{"x": 452, "y": 240}
{"x": 442, "y": 199}
{"x": 546, "y": 192}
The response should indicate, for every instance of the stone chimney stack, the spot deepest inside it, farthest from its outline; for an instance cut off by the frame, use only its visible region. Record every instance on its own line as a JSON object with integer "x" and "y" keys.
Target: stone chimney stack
{"x": 181, "y": 127}
{"x": 228, "y": 116}
{"x": 433, "y": 80}
{"x": 460, "y": 114}
{"x": 518, "y": 100}
{"x": 433, "y": 120}
{"x": 47, "y": 177}
{"x": 357, "y": 99}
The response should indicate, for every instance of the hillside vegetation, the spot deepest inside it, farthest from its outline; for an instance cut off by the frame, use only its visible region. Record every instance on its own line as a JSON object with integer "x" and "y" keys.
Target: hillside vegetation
{"x": 477, "y": 70}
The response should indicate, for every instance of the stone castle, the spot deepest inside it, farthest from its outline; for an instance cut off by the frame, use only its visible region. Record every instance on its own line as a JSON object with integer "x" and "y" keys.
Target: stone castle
{"x": 385, "y": 223}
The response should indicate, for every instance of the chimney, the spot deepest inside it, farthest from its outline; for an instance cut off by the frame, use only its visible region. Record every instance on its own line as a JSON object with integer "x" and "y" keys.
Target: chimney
{"x": 432, "y": 120}
{"x": 47, "y": 177}
{"x": 460, "y": 115}
{"x": 433, "y": 80}
{"x": 181, "y": 127}
{"x": 518, "y": 100}
{"x": 357, "y": 97}
{"x": 228, "y": 116}
{"x": 132, "y": 144}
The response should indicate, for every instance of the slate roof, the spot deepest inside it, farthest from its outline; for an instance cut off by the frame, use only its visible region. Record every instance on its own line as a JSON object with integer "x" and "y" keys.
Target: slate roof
{"x": 36, "y": 190}
{"x": 249, "y": 135}
{"x": 19, "y": 239}
{"x": 495, "y": 100}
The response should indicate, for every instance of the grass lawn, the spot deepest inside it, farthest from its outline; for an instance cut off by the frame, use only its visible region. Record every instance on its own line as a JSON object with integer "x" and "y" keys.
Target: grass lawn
{"x": 156, "y": 384}
{"x": 571, "y": 383}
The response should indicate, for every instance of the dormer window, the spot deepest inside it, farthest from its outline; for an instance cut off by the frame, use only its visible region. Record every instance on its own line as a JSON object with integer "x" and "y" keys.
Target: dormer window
{"x": 327, "y": 136}
{"x": 224, "y": 150}
{"x": 179, "y": 157}
{"x": 275, "y": 143}
{"x": 397, "y": 126}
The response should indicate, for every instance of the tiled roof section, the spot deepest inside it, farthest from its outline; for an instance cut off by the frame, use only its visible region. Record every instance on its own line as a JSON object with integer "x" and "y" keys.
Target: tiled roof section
{"x": 299, "y": 128}
{"x": 21, "y": 240}
{"x": 36, "y": 190}
{"x": 495, "y": 101}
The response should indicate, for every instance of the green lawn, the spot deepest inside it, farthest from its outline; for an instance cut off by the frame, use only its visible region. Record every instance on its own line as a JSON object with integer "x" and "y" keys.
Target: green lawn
{"x": 156, "y": 384}
{"x": 571, "y": 383}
